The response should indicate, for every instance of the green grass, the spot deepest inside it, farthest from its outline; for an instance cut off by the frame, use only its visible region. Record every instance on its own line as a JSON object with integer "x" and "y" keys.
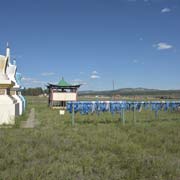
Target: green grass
{"x": 97, "y": 147}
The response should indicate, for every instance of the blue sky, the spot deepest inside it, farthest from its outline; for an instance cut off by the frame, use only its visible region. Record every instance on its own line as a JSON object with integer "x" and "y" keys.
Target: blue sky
{"x": 136, "y": 43}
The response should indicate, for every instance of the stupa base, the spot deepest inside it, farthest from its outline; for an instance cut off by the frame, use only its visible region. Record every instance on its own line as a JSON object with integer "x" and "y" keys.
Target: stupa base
{"x": 9, "y": 109}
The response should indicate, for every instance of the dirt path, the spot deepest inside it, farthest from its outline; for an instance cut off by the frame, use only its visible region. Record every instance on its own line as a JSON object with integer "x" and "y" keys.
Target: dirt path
{"x": 31, "y": 121}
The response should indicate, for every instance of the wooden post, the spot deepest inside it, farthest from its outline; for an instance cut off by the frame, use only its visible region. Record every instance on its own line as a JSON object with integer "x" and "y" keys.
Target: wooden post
{"x": 73, "y": 122}
{"x": 123, "y": 118}
{"x": 134, "y": 114}
{"x": 156, "y": 114}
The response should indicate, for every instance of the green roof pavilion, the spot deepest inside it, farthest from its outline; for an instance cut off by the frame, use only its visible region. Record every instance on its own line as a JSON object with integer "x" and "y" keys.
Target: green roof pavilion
{"x": 62, "y": 82}
{"x": 62, "y": 92}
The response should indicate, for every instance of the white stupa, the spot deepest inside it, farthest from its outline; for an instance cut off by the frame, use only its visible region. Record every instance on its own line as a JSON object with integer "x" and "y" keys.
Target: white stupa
{"x": 11, "y": 72}
{"x": 18, "y": 80}
{"x": 9, "y": 107}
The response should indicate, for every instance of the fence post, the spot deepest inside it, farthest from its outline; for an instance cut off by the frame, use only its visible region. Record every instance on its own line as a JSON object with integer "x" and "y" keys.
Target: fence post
{"x": 134, "y": 116}
{"x": 73, "y": 122}
{"x": 123, "y": 117}
{"x": 156, "y": 114}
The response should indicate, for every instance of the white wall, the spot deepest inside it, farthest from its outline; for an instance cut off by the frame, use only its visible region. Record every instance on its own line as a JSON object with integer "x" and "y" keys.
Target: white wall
{"x": 8, "y": 113}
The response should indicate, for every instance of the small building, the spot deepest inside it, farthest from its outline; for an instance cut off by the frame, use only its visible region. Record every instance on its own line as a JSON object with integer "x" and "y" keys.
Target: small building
{"x": 61, "y": 93}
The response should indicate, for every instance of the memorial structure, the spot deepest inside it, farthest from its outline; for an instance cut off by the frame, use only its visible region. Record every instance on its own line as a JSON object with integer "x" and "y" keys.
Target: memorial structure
{"x": 18, "y": 80}
{"x": 11, "y": 72}
{"x": 61, "y": 93}
{"x": 12, "y": 103}
{"x": 9, "y": 107}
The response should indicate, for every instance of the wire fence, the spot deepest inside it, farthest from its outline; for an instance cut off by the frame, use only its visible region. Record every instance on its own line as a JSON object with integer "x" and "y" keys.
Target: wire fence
{"x": 126, "y": 111}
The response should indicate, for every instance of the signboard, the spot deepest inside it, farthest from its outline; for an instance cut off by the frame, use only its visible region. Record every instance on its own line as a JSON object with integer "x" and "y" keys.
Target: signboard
{"x": 61, "y": 96}
{"x": 61, "y": 112}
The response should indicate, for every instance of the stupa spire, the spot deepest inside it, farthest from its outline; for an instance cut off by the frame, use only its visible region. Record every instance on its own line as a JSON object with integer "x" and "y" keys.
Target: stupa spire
{"x": 8, "y": 52}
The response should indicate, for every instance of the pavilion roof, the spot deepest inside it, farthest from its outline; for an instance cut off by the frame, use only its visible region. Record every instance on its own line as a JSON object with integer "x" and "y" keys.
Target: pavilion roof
{"x": 62, "y": 82}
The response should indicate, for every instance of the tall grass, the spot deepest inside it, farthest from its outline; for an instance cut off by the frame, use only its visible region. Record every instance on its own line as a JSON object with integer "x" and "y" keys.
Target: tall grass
{"x": 97, "y": 147}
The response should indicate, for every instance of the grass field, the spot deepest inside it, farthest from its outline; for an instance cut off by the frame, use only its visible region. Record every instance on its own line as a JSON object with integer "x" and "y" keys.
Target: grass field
{"x": 97, "y": 147}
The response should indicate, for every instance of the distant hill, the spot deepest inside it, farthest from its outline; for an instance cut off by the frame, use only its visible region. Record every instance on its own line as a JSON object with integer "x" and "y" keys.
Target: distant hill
{"x": 134, "y": 92}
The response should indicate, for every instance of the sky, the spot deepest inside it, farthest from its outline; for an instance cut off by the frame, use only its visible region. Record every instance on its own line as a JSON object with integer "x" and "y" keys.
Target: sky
{"x": 135, "y": 43}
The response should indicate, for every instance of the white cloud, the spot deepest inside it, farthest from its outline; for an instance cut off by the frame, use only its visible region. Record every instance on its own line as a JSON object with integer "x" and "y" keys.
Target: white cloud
{"x": 162, "y": 46}
{"x": 32, "y": 82}
{"x": 165, "y": 10}
{"x": 135, "y": 61}
{"x": 94, "y": 72}
{"x": 78, "y": 81}
{"x": 94, "y": 76}
{"x": 47, "y": 74}
{"x": 27, "y": 79}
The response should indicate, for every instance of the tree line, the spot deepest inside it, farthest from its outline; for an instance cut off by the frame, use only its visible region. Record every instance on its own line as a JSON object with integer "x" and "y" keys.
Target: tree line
{"x": 160, "y": 93}
{"x": 34, "y": 91}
